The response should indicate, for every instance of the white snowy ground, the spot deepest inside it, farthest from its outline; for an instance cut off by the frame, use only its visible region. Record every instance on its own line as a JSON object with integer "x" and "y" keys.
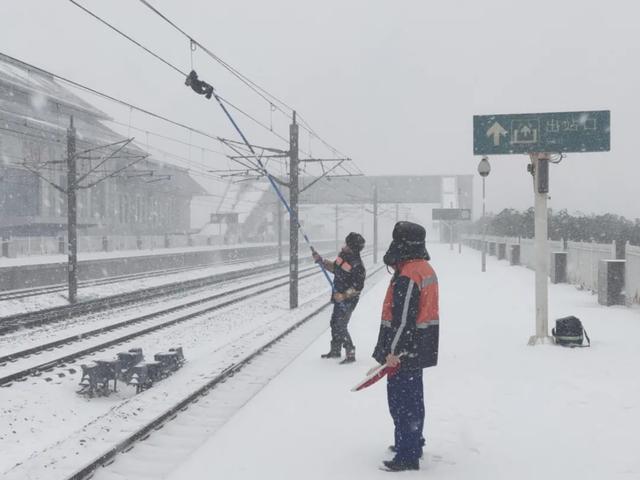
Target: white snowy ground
{"x": 55, "y": 299}
{"x": 86, "y": 256}
{"x": 90, "y": 292}
{"x": 48, "y": 431}
{"x": 496, "y": 408}
{"x": 41, "y": 411}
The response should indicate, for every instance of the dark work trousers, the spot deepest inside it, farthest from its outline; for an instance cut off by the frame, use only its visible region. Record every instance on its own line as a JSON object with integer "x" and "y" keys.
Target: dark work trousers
{"x": 339, "y": 320}
{"x": 406, "y": 405}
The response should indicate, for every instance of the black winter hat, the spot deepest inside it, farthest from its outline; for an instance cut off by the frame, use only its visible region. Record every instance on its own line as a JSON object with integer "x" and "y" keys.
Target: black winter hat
{"x": 408, "y": 243}
{"x": 355, "y": 242}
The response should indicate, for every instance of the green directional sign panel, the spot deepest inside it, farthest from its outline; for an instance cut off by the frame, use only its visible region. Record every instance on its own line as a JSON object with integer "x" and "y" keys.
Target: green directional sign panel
{"x": 451, "y": 214}
{"x": 542, "y": 132}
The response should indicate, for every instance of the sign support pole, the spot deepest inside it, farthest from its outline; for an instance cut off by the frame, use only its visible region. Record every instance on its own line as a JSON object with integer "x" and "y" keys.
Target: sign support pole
{"x": 533, "y": 134}
{"x": 484, "y": 229}
{"x": 540, "y": 171}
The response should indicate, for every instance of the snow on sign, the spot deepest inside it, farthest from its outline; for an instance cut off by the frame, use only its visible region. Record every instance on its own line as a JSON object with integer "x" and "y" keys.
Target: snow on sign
{"x": 542, "y": 132}
{"x": 451, "y": 214}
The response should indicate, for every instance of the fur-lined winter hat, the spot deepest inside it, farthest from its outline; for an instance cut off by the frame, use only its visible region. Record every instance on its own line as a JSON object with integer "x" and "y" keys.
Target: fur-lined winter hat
{"x": 408, "y": 243}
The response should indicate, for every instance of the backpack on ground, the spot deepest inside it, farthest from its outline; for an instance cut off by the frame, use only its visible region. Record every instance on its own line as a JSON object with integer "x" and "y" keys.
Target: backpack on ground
{"x": 569, "y": 332}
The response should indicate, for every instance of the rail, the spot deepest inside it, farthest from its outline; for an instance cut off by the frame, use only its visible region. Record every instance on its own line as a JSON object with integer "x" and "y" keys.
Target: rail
{"x": 49, "y": 365}
{"x": 171, "y": 413}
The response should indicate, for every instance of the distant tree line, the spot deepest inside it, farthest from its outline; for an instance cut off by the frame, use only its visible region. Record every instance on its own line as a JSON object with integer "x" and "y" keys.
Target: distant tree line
{"x": 562, "y": 225}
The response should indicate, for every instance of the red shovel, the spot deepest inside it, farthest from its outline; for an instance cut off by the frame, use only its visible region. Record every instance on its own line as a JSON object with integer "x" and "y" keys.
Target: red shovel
{"x": 375, "y": 374}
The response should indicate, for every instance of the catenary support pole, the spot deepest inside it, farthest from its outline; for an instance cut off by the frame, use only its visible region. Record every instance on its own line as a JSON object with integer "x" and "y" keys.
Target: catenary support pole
{"x": 540, "y": 162}
{"x": 337, "y": 234}
{"x": 450, "y": 225}
{"x": 375, "y": 224}
{"x": 293, "y": 213}
{"x": 294, "y": 189}
{"x": 72, "y": 210}
{"x": 279, "y": 226}
{"x": 457, "y": 223}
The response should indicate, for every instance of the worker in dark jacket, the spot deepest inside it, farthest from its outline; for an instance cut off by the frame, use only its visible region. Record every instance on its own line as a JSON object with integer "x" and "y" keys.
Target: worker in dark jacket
{"x": 408, "y": 339}
{"x": 349, "y": 275}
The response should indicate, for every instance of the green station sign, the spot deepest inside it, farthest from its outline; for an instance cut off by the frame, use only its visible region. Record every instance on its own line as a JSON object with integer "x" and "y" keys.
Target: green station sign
{"x": 542, "y": 132}
{"x": 451, "y": 214}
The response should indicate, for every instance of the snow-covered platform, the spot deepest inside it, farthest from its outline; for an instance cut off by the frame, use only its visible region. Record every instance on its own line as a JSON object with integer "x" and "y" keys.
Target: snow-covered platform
{"x": 496, "y": 407}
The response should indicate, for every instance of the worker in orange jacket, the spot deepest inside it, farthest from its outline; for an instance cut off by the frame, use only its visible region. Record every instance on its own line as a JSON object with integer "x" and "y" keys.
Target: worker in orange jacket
{"x": 408, "y": 339}
{"x": 349, "y": 277}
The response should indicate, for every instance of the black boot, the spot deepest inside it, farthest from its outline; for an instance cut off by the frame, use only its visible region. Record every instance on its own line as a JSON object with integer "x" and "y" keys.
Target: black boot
{"x": 349, "y": 358}
{"x": 400, "y": 465}
{"x": 331, "y": 354}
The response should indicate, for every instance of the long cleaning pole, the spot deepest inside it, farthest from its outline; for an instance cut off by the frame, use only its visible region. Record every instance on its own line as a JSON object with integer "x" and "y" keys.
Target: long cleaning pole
{"x": 273, "y": 184}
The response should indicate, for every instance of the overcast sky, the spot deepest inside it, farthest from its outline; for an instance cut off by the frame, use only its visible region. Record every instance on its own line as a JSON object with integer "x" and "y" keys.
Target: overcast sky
{"x": 394, "y": 85}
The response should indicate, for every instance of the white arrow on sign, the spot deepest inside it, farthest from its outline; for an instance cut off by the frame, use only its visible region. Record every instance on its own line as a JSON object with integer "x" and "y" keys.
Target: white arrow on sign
{"x": 495, "y": 131}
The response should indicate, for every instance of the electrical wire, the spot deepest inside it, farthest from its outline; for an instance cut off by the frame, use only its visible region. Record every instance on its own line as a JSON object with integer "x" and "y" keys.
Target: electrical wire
{"x": 255, "y": 87}
{"x": 122, "y": 102}
{"x": 61, "y": 140}
{"x": 174, "y": 67}
{"x": 128, "y": 37}
{"x": 244, "y": 79}
{"x": 165, "y": 137}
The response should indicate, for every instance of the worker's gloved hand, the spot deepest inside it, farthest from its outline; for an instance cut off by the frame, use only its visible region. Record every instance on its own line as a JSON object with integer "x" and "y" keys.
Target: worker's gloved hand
{"x": 316, "y": 257}
{"x": 339, "y": 297}
{"x": 393, "y": 361}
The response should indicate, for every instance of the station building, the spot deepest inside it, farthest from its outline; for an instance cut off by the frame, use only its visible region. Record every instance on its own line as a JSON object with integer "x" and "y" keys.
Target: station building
{"x": 148, "y": 198}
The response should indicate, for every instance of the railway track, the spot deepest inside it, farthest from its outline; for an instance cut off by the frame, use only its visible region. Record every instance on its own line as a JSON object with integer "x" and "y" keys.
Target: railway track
{"x": 55, "y": 314}
{"x": 189, "y": 400}
{"x": 189, "y": 310}
{"x": 194, "y": 309}
{"x": 43, "y": 290}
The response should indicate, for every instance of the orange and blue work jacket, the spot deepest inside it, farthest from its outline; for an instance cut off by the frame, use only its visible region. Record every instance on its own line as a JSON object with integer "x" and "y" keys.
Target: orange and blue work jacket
{"x": 349, "y": 272}
{"x": 410, "y": 317}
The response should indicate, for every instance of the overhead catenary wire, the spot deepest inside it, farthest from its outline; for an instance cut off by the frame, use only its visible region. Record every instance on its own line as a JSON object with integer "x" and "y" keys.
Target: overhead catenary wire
{"x": 89, "y": 12}
{"x": 293, "y": 215}
{"x": 123, "y": 102}
{"x": 172, "y": 66}
{"x": 236, "y": 73}
{"x": 247, "y": 81}
{"x": 60, "y": 140}
{"x": 221, "y": 102}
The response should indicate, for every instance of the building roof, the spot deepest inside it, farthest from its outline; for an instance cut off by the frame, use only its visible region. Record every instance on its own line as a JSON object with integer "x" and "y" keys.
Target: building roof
{"x": 243, "y": 198}
{"x": 23, "y": 76}
{"x": 44, "y": 115}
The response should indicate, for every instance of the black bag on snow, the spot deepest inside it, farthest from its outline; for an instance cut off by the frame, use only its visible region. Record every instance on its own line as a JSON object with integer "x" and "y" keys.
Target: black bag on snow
{"x": 569, "y": 332}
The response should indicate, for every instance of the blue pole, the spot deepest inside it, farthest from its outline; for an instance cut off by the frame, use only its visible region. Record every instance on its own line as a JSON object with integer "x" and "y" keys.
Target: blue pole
{"x": 274, "y": 185}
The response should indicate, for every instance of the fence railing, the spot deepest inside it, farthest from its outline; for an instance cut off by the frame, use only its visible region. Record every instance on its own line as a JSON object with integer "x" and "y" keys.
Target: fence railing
{"x": 528, "y": 250}
{"x": 40, "y": 245}
{"x": 632, "y": 274}
{"x": 583, "y": 259}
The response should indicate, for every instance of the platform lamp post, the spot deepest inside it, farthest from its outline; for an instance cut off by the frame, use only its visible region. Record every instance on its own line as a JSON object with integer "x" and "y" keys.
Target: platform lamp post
{"x": 484, "y": 168}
